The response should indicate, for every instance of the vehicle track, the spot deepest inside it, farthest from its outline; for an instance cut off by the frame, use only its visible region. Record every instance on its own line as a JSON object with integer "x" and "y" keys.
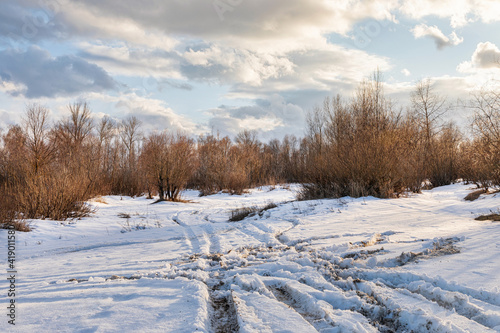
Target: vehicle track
{"x": 328, "y": 294}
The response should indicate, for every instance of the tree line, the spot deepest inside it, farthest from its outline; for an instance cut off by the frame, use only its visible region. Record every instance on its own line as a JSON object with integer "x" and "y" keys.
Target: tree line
{"x": 352, "y": 147}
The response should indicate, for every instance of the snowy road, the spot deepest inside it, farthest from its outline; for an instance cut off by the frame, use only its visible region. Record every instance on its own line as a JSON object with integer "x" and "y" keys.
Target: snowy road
{"x": 420, "y": 264}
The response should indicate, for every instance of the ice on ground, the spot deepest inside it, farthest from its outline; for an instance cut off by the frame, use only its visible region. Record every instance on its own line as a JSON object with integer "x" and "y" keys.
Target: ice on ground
{"x": 420, "y": 264}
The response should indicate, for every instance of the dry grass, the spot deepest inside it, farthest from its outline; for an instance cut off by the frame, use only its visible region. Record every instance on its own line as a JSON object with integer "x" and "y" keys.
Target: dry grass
{"x": 18, "y": 225}
{"x": 100, "y": 199}
{"x": 240, "y": 214}
{"x": 475, "y": 195}
{"x": 490, "y": 217}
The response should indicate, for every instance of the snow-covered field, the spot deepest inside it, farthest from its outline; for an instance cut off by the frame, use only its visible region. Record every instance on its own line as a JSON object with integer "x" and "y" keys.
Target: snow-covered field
{"x": 420, "y": 264}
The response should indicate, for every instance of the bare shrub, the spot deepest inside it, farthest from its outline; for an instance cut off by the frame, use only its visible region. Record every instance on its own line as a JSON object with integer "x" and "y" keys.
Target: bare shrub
{"x": 168, "y": 162}
{"x": 359, "y": 148}
{"x": 214, "y": 164}
{"x": 10, "y": 218}
{"x": 240, "y": 214}
{"x": 41, "y": 175}
{"x": 444, "y": 162}
{"x": 436, "y": 152}
{"x": 124, "y": 176}
{"x": 56, "y": 197}
{"x": 237, "y": 181}
{"x": 268, "y": 206}
{"x": 484, "y": 153}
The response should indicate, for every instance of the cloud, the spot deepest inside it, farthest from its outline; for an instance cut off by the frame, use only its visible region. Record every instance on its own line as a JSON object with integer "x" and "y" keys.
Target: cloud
{"x": 433, "y": 32}
{"x": 405, "y": 72}
{"x": 154, "y": 113}
{"x": 258, "y": 44}
{"x": 486, "y": 57}
{"x": 327, "y": 68}
{"x": 36, "y": 73}
{"x": 271, "y": 118}
{"x": 29, "y": 23}
{"x": 460, "y": 12}
{"x": 234, "y": 65}
{"x": 250, "y": 74}
{"x": 120, "y": 58}
{"x": 256, "y": 20}
{"x": 277, "y": 57}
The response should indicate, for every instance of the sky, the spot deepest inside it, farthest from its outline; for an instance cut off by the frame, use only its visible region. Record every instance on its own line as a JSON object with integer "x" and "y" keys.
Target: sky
{"x": 223, "y": 66}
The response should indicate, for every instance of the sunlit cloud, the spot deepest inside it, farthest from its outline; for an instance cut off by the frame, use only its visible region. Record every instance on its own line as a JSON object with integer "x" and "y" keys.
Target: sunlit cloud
{"x": 433, "y": 32}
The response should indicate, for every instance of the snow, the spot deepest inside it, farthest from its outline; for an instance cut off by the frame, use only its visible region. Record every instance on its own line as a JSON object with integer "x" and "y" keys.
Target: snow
{"x": 419, "y": 263}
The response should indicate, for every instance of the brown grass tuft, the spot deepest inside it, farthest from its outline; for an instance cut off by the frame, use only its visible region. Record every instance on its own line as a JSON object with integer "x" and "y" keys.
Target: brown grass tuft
{"x": 490, "y": 217}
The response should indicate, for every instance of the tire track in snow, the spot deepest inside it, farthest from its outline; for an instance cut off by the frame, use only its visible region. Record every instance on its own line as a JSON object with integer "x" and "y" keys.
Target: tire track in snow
{"x": 338, "y": 293}
{"x": 474, "y": 305}
{"x": 207, "y": 240}
{"x": 223, "y": 318}
{"x": 223, "y": 313}
{"x": 431, "y": 316}
{"x": 460, "y": 303}
{"x": 212, "y": 239}
{"x": 258, "y": 234}
{"x": 279, "y": 235}
{"x": 317, "y": 321}
{"x": 190, "y": 237}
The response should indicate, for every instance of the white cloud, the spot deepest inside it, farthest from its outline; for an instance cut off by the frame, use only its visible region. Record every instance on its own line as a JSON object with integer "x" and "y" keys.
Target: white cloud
{"x": 327, "y": 68}
{"x": 405, "y": 72}
{"x": 259, "y": 45}
{"x": 486, "y": 57}
{"x": 120, "y": 58}
{"x": 433, "y": 32}
{"x": 250, "y": 74}
{"x": 257, "y": 19}
{"x": 13, "y": 88}
{"x": 154, "y": 113}
{"x": 487, "y": 10}
{"x": 271, "y": 118}
{"x": 234, "y": 65}
{"x": 460, "y": 12}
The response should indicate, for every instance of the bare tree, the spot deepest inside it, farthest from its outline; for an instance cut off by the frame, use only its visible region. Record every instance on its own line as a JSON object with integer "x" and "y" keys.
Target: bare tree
{"x": 428, "y": 107}
{"x": 105, "y": 134}
{"x": 130, "y": 134}
{"x": 105, "y": 130}
{"x": 486, "y": 121}
{"x": 36, "y": 130}
{"x": 79, "y": 125}
{"x": 316, "y": 121}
